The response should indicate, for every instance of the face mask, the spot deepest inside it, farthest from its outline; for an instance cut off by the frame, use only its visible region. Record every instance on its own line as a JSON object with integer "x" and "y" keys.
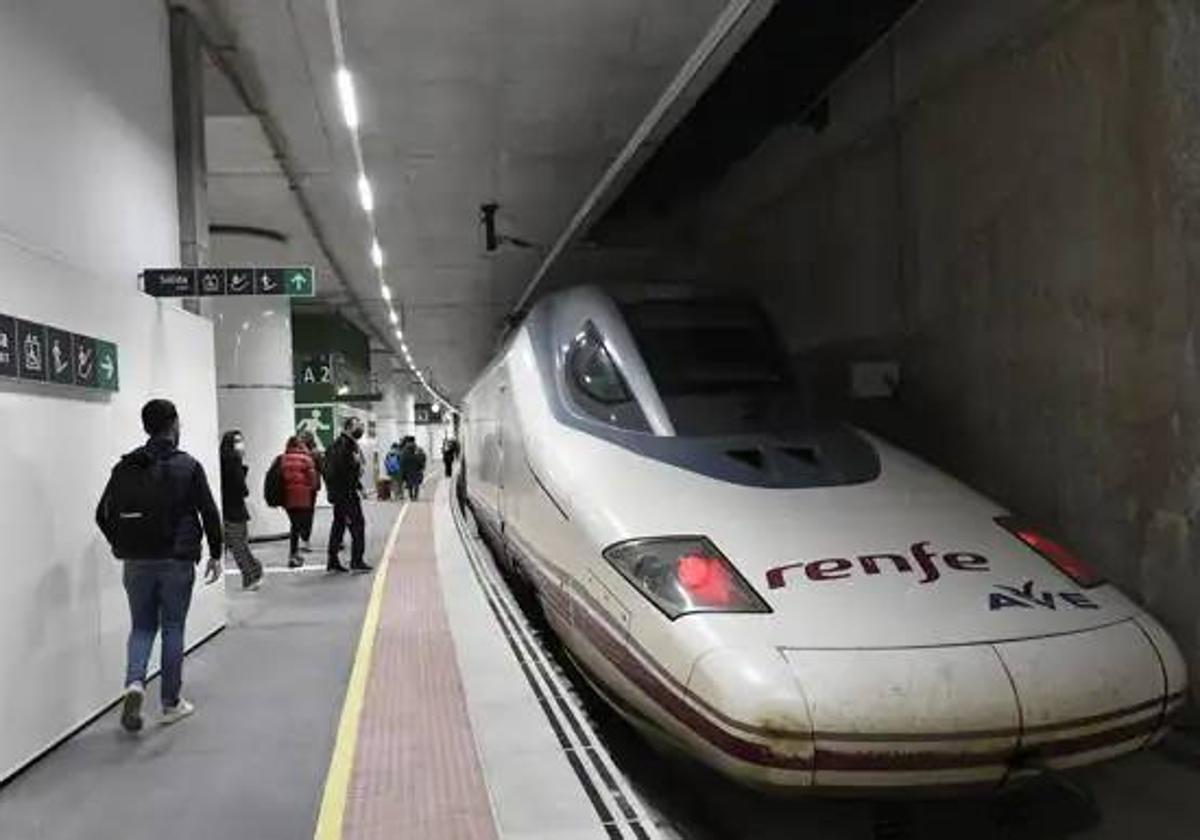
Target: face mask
{"x": 357, "y": 433}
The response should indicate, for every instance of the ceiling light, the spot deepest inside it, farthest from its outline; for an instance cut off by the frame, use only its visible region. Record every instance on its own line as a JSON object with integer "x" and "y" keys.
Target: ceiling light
{"x": 395, "y": 319}
{"x": 385, "y": 291}
{"x": 404, "y": 347}
{"x": 345, "y": 86}
{"x": 376, "y": 253}
{"x": 365, "y": 196}
{"x": 399, "y": 335}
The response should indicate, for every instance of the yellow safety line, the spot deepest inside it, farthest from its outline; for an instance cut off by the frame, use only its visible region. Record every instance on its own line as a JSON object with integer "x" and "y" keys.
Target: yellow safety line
{"x": 341, "y": 765}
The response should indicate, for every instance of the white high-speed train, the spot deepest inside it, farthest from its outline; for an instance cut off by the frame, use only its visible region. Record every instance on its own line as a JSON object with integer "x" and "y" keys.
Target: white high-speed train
{"x": 796, "y": 603}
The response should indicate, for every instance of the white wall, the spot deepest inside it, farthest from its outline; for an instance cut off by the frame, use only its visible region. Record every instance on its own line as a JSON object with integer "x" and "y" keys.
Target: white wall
{"x": 394, "y": 415}
{"x": 87, "y": 197}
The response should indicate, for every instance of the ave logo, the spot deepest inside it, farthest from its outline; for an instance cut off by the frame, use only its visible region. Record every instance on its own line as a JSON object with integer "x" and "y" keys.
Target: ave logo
{"x": 1024, "y": 597}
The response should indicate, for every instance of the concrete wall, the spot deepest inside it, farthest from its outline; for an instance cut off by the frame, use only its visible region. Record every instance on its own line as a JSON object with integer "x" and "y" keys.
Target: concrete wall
{"x": 1006, "y": 199}
{"x": 87, "y": 198}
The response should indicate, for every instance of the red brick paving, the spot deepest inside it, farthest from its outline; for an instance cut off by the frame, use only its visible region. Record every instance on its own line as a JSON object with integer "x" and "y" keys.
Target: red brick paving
{"x": 416, "y": 772}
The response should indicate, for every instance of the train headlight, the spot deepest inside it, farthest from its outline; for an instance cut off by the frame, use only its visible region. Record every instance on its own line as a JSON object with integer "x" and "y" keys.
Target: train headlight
{"x": 1063, "y": 560}
{"x": 682, "y": 575}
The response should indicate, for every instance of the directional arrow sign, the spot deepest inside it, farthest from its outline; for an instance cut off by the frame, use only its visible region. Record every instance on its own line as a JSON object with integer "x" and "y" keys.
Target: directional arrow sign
{"x": 294, "y": 281}
{"x": 300, "y": 282}
{"x": 36, "y": 352}
{"x": 108, "y": 374}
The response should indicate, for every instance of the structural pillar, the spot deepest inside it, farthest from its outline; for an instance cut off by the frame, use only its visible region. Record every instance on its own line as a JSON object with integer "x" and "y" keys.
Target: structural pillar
{"x": 255, "y": 391}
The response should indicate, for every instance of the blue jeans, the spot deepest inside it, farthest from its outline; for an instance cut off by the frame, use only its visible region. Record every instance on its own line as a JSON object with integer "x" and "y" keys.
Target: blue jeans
{"x": 160, "y": 592}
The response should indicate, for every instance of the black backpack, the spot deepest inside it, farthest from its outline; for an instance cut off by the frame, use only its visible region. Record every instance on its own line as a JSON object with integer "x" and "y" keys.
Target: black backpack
{"x": 273, "y": 483}
{"x": 135, "y": 510}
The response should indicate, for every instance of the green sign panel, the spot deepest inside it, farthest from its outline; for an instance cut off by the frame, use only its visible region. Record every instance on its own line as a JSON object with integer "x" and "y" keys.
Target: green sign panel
{"x": 108, "y": 373}
{"x": 34, "y": 352}
{"x": 318, "y": 419}
{"x": 288, "y": 281}
{"x": 300, "y": 282}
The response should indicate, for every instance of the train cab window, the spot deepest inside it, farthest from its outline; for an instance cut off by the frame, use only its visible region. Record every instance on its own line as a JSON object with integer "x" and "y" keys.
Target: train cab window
{"x": 596, "y": 385}
{"x": 718, "y": 366}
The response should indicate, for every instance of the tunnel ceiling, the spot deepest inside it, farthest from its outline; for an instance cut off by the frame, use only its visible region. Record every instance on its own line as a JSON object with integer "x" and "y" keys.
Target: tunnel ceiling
{"x": 777, "y": 78}
{"x": 523, "y": 103}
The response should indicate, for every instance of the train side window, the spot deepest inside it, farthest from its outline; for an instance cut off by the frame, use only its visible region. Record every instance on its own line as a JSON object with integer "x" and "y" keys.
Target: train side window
{"x": 596, "y": 384}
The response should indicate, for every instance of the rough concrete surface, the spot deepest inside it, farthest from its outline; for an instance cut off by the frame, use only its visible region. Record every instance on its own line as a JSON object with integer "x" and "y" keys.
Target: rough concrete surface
{"x": 1020, "y": 228}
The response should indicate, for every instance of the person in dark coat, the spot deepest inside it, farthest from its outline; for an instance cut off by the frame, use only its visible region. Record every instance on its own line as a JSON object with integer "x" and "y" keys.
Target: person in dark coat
{"x": 299, "y": 486}
{"x": 449, "y": 453}
{"x": 412, "y": 467}
{"x": 159, "y": 578}
{"x": 343, "y": 485}
{"x": 233, "y": 508}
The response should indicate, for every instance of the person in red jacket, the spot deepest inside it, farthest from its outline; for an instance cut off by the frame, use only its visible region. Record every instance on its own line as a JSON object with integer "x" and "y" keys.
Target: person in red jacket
{"x": 299, "y": 490}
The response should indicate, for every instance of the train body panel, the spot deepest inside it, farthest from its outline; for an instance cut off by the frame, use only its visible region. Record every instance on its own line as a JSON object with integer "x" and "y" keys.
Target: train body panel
{"x": 898, "y": 630}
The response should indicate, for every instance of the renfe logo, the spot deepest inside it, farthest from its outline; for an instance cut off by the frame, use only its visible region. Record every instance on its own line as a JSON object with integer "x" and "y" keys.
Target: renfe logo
{"x": 835, "y": 568}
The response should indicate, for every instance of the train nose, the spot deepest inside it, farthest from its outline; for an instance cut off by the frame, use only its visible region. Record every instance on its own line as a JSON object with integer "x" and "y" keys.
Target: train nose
{"x": 947, "y": 716}
{"x": 750, "y": 717}
{"x": 908, "y": 717}
{"x": 984, "y": 713}
{"x": 1090, "y": 696}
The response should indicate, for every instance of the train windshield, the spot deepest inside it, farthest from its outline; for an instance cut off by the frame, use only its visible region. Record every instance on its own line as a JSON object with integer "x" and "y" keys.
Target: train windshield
{"x": 718, "y": 366}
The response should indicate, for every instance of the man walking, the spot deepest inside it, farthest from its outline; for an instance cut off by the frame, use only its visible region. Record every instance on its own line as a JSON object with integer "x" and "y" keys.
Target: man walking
{"x": 343, "y": 482}
{"x": 151, "y": 513}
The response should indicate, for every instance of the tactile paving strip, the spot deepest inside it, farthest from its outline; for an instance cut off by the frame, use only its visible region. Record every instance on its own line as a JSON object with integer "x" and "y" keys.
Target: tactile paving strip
{"x": 416, "y": 771}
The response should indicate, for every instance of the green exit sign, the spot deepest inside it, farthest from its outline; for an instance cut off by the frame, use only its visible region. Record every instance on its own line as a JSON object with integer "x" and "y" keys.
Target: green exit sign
{"x": 300, "y": 282}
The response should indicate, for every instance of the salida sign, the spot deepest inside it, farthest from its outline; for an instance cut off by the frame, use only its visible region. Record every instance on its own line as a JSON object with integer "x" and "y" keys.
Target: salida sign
{"x": 289, "y": 281}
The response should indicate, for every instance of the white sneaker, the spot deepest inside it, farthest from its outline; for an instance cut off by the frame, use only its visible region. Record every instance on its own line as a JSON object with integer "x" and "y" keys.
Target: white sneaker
{"x": 176, "y": 713}
{"x": 131, "y": 708}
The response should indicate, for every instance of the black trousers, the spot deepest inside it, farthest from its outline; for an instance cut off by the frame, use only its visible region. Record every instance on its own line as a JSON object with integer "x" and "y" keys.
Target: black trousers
{"x": 302, "y": 521}
{"x": 348, "y": 513}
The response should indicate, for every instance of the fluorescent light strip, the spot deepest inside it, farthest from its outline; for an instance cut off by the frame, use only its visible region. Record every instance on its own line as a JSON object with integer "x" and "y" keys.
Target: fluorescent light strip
{"x": 376, "y": 253}
{"x": 345, "y": 86}
{"x": 365, "y": 196}
{"x": 385, "y": 291}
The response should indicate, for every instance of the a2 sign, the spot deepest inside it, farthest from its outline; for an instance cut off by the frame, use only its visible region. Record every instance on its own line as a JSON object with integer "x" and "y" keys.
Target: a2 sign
{"x": 35, "y": 352}
{"x": 223, "y": 282}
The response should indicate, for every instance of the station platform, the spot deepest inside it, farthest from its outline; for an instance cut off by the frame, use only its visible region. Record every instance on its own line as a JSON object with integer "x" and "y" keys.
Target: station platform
{"x": 419, "y": 702}
{"x": 409, "y": 703}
